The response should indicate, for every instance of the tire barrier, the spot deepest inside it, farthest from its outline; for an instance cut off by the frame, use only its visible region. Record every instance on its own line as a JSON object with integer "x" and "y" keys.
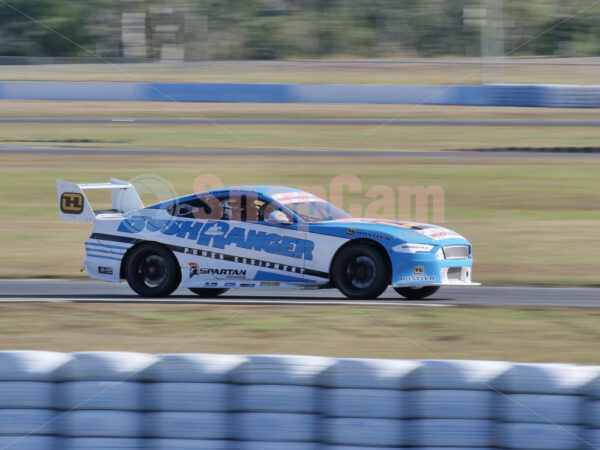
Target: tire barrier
{"x": 591, "y": 414}
{"x": 99, "y": 400}
{"x": 187, "y": 401}
{"x": 364, "y": 402}
{"x": 534, "y": 95}
{"x": 276, "y": 401}
{"x": 452, "y": 403}
{"x": 541, "y": 405}
{"x": 100, "y": 395}
{"x": 28, "y": 412}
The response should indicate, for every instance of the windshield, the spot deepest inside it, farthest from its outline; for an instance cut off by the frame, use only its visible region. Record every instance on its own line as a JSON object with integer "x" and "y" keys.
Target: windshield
{"x": 317, "y": 211}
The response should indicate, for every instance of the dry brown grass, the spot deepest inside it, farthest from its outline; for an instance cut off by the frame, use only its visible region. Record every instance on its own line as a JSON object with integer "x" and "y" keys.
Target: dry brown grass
{"x": 390, "y": 332}
{"x": 418, "y": 71}
{"x": 120, "y": 110}
{"x": 294, "y": 137}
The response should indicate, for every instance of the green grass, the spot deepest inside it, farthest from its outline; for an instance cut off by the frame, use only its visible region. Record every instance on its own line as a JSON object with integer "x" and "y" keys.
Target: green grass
{"x": 530, "y": 221}
{"x": 390, "y": 332}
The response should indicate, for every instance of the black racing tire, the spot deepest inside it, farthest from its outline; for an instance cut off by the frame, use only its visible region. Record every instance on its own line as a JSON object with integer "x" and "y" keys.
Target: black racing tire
{"x": 359, "y": 271}
{"x": 208, "y": 292}
{"x": 417, "y": 293}
{"x": 151, "y": 270}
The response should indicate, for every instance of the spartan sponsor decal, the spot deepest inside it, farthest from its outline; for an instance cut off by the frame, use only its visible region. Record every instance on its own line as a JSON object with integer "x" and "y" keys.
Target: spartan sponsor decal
{"x": 193, "y": 269}
{"x": 219, "y": 235}
{"x": 226, "y": 274}
{"x": 71, "y": 203}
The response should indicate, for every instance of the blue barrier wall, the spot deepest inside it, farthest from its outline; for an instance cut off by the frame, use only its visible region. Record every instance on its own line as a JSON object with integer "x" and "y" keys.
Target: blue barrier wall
{"x": 551, "y": 96}
{"x": 99, "y": 400}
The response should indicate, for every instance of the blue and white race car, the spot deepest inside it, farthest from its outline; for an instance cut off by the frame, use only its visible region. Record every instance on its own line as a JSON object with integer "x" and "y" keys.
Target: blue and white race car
{"x": 260, "y": 237}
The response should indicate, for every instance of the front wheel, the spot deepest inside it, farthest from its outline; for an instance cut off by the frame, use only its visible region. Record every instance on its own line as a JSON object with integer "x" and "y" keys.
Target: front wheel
{"x": 152, "y": 271}
{"x": 416, "y": 293}
{"x": 359, "y": 272}
{"x": 208, "y": 292}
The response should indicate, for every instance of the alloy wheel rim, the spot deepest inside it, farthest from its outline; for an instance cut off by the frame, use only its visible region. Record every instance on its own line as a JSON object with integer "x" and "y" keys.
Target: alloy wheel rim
{"x": 361, "y": 271}
{"x": 152, "y": 270}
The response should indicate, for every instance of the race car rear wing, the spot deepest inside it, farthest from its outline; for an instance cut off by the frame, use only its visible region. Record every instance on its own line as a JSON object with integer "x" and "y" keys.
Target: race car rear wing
{"x": 74, "y": 206}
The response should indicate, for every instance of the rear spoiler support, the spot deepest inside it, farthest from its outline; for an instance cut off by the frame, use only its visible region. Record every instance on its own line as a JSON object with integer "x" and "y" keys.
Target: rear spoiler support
{"x": 74, "y": 206}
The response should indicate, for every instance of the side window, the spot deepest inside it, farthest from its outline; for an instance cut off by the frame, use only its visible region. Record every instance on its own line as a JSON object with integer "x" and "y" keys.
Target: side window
{"x": 198, "y": 208}
{"x": 233, "y": 208}
{"x": 259, "y": 210}
{"x": 255, "y": 209}
{"x": 245, "y": 208}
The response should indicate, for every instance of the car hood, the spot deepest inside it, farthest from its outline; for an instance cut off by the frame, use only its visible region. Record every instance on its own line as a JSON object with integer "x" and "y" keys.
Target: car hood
{"x": 397, "y": 230}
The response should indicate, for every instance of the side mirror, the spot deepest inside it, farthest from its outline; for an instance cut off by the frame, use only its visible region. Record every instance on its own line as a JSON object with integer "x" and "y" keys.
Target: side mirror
{"x": 279, "y": 217}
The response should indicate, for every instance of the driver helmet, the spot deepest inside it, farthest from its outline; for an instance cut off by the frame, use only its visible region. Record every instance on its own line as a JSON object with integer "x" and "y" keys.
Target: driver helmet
{"x": 278, "y": 216}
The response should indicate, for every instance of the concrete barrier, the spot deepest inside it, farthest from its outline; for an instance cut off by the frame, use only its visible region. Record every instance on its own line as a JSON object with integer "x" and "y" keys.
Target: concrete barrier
{"x": 547, "y": 96}
{"x": 97, "y": 400}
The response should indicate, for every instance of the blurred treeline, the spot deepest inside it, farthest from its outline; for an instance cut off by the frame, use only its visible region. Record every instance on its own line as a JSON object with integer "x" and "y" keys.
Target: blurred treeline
{"x": 270, "y": 29}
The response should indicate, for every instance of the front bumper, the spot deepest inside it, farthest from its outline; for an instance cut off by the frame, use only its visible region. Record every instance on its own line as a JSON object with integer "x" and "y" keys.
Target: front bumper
{"x": 425, "y": 269}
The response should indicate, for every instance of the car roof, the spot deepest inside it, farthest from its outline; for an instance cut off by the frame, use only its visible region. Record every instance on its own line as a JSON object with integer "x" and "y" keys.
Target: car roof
{"x": 265, "y": 190}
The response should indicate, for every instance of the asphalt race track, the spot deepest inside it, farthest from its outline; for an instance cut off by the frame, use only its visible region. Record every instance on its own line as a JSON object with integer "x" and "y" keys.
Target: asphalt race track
{"x": 306, "y": 121}
{"x": 94, "y": 291}
{"x": 38, "y": 150}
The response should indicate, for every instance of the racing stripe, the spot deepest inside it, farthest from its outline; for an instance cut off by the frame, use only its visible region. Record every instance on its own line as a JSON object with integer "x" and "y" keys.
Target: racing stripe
{"x": 108, "y": 251}
{"x": 261, "y": 275}
{"x": 102, "y": 256}
{"x": 113, "y": 238}
{"x": 103, "y": 245}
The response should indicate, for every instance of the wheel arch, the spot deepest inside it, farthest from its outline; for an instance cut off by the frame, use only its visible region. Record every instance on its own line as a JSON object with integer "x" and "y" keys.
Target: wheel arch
{"x": 380, "y": 248}
{"x": 136, "y": 245}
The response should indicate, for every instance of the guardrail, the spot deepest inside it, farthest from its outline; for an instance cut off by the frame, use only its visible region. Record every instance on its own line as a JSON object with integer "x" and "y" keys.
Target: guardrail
{"x": 550, "y": 96}
{"x": 116, "y": 400}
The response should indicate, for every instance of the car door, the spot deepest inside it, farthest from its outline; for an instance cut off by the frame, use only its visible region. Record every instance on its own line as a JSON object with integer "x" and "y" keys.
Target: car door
{"x": 191, "y": 216}
{"x": 276, "y": 243}
{"x": 240, "y": 247}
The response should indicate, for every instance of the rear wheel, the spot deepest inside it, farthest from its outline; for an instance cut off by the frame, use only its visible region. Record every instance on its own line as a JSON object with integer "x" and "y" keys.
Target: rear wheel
{"x": 208, "y": 293}
{"x": 359, "y": 272}
{"x": 416, "y": 293}
{"x": 152, "y": 271}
